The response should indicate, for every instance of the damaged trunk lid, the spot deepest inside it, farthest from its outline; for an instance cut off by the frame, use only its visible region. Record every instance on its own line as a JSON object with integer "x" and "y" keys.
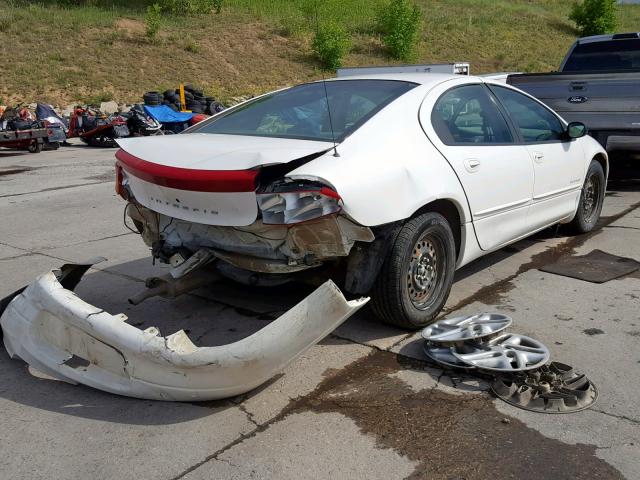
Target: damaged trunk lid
{"x": 204, "y": 178}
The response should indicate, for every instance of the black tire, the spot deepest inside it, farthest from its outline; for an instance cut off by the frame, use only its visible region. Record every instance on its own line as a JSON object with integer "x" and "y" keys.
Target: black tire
{"x": 416, "y": 277}
{"x": 591, "y": 200}
{"x": 152, "y": 98}
{"x": 35, "y": 147}
{"x": 195, "y": 107}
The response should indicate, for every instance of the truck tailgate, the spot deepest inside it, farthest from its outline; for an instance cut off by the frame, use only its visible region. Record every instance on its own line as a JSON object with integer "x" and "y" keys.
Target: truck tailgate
{"x": 587, "y": 97}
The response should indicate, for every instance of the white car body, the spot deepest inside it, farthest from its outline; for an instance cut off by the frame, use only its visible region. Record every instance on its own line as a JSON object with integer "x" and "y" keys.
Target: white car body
{"x": 391, "y": 167}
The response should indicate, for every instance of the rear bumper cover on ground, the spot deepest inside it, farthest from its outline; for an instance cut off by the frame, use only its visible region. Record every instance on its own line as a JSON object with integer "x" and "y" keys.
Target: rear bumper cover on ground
{"x": 56, "y": 332}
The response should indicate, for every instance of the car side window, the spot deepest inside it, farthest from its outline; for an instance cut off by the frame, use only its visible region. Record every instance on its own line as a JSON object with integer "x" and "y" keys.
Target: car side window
{"x": 535, "y": 122}
{"x": 468, "y": 115}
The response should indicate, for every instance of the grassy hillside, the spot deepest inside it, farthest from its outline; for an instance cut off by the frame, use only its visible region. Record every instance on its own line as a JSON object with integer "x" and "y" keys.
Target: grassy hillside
{"x": 61, "y": 53}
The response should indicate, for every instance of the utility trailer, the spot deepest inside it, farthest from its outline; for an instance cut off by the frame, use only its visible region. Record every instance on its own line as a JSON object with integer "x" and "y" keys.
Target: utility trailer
{"x": 30, "y": 139}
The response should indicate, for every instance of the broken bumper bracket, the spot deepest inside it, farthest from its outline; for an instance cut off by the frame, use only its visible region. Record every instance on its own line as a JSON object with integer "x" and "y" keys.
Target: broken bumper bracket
{"x": 58, "y": 333}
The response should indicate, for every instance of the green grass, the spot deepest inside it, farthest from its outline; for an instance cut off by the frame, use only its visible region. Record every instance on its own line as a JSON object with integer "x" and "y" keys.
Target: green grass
{"x": 77, "y": 52}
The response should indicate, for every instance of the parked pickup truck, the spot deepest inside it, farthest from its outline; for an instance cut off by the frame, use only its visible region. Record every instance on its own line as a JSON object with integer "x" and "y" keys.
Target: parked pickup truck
{"x": 599, "y": 85}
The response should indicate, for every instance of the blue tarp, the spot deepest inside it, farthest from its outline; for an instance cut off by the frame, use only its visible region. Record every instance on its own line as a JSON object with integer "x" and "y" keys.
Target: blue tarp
{"x": 164, "y": 114}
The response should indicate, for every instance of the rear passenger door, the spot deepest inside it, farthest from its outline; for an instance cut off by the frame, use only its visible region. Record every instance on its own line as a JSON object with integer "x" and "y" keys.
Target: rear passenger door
{"x": 558, "y": 161}
{"x": 469, "y": 129}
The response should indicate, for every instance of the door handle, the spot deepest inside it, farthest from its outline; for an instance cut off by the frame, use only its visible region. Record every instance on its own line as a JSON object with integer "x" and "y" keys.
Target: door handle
{"x": 472, "y": 165}
{"x": 538, "y": 157}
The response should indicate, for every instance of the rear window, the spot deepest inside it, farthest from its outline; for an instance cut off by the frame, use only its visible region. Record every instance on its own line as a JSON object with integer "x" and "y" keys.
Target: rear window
{"x": 301, "y": 111}
{"x": 608, "y": 55}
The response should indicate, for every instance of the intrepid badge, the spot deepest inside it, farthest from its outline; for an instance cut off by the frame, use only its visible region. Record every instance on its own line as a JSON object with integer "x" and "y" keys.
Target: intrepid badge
{"x": 577, "y": 99}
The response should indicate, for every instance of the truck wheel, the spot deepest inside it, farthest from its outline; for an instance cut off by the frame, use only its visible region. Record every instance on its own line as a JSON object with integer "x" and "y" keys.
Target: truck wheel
{"x": 416, "y": 277}
{"x": 591, "y": 200}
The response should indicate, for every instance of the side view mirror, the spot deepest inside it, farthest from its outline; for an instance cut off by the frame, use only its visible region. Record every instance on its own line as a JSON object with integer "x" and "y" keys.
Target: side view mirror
{"x": 576, "y": 130}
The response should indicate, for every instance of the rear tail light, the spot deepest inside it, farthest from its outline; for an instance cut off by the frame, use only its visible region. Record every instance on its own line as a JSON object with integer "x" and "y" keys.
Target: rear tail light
{"x": 295, "y": 202}
{"x": 120, "y": 188}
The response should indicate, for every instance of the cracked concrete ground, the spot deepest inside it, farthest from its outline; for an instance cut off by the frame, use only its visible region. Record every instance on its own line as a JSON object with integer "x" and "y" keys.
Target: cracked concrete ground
{"x": 363, "y": 403}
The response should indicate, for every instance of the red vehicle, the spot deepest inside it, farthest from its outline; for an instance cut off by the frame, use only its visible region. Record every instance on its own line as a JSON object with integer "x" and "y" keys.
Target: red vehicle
{"x": 96, "y": 129}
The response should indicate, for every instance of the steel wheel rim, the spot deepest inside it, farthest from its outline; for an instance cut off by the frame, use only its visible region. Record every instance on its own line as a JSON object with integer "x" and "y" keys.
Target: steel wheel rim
{"x": 591, "y": 197}
{"x": 425, "y": 270}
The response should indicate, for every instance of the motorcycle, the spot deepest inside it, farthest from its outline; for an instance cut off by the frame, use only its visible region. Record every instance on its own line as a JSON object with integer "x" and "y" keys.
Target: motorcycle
{"x": 96, "y": 129}
{"x": 140, "y": 124}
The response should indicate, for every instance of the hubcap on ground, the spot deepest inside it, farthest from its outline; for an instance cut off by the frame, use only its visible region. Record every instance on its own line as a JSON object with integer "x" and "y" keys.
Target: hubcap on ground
{"x": 425, "y": 265}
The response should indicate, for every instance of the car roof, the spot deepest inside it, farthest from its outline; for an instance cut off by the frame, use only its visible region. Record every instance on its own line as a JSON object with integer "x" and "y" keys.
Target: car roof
{"x": 428, "y": 79}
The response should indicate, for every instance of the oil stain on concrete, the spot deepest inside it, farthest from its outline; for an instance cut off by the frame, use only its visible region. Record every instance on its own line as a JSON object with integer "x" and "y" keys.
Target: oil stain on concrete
{"x": 458, "y": 436}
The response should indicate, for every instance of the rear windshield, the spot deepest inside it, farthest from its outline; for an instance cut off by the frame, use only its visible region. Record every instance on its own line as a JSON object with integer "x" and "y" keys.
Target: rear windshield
{"x": 301, "y": 111}
{"x": 609, "y": 55}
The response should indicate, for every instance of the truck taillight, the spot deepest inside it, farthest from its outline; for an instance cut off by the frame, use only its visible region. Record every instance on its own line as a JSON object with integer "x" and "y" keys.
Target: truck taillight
{"x": 295, "y": 202}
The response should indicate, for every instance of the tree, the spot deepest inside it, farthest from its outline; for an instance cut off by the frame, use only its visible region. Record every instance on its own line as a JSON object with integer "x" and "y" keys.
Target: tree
{"x": 594, "y": 17}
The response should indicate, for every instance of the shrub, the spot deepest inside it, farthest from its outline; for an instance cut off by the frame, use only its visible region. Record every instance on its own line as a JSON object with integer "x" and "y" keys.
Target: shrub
{"x": 5, "y": 22}
{"x": 152, "y": 20}
{"x": 330, "y": 44}
{"x": 399, "y": 21}
{"x": 191, "y": 45}
{"x": 594, "y": 17}
{"x": 190, "y": 7}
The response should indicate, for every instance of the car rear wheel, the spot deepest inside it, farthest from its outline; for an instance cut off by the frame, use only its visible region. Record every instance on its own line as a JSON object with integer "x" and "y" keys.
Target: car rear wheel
{"x": 417, "y": 274}
{"x": 591, "y": 199}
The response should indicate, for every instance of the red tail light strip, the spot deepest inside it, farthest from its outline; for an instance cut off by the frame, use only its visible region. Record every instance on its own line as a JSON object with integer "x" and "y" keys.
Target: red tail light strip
{"x": 186, "y": 178}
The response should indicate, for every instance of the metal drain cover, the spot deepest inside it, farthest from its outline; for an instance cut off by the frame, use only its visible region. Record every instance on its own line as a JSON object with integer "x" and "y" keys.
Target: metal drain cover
{"x": 444, "y": 356}
{"x": 460, "y": 329}
{"x": 507, "y": 353}
{"x": 553, "y": 388}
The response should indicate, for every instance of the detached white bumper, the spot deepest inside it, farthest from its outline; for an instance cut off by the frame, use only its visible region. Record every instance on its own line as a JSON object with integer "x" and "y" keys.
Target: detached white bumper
{"x": 56, "y": 332}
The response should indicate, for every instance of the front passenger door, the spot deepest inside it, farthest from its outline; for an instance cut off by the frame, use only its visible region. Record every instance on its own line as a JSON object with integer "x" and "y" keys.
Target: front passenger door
{"x": 558, "y": 161}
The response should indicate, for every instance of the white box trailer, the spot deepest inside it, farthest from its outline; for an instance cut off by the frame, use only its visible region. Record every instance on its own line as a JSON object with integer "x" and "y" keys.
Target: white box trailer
{"x": 458, "y": 68}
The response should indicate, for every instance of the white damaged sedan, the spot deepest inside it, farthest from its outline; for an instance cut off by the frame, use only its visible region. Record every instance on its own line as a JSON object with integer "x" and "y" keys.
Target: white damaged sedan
{"x": 387, "y": 183}
{"x": 384, "y": 184}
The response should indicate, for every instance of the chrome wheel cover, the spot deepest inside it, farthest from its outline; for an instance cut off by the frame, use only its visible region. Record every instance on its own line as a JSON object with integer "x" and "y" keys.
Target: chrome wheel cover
{"x": 444, "y": 356}
{"x": 471, "y": 327}
{"x": 507, "y": 353}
